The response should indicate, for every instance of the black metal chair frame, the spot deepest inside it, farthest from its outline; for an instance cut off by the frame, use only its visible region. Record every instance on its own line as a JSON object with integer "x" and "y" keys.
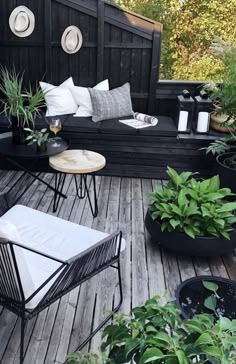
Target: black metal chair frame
{"x": 70, "y": 274}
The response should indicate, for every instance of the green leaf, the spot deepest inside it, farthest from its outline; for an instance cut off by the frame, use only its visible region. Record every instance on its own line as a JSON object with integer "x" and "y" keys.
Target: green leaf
{"x": 211, "y": 286}
{"x": 174, "y": 223}
{"x": 225, "y": 323}
{"x": 181, "y": 357}
{"x": 212, "y": 351}
{"x": 151, "y": 354}
{"x": 230, "y": 206}
{"x": 194, "y": 326}
{"x": 182, "y": 200}
{"x": 150, "y": 329}
{"x": 189, "y": 231}
{"x": 204, "y": 339}
{"x": 214, "y": 184}
{"x": 210, "y": 303}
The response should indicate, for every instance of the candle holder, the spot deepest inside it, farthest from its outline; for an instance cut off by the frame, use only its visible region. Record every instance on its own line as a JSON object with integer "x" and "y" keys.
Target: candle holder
{"x": 201, "y": 120}
{"x": 185, "y": 112}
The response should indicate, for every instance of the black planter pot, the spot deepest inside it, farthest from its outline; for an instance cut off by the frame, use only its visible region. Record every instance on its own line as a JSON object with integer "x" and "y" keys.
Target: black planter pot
{"x": 181, "y": 243}
{"x": 42, "y": 148}
{"x": 227, "y": 175}
{"x": 18, "y": 132}
{"x": 191, "y": 294}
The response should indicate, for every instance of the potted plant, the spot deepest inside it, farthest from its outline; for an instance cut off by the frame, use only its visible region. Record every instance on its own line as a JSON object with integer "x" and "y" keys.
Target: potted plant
{"x": 225, "y": 152}
{"x": 223, "y": 96}
{"x": 156, "y": 334}
{"x": 20, "y": 106}
{"x": 191, "y": 216}
{"x": 40, "y": 138}
{"x": 224, "y": 116}
{"x": 207, "y": 294}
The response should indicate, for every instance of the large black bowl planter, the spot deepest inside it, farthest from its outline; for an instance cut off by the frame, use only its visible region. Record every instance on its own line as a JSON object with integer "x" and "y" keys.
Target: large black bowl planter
{"x": 227, "y": 174}
{"x": 191, "y": 294}
{"x": 182, "y": 244}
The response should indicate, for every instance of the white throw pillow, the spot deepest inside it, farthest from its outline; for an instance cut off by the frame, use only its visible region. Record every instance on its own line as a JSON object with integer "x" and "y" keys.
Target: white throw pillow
{"x": 83, "y": 99}
{"x": 59, "y": 99}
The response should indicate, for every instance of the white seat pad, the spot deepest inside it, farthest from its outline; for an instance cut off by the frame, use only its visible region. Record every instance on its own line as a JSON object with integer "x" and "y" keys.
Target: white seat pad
{"x": 48, "y": 234}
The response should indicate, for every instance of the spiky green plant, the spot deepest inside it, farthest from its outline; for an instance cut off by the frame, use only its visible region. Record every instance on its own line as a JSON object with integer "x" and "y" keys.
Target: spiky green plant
{"x": 17, "y": 101}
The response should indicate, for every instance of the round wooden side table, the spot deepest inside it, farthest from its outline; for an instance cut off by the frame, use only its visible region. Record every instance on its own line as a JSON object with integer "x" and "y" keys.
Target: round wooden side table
{"x": 77, "y": 162}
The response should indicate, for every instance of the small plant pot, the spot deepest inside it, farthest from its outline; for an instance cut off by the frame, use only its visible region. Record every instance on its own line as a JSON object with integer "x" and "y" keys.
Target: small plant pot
{"x": 226, "y": 173}
{"x": 181, "y": 243}
{"x": 217, "y": 122}
{"x": 191, "y": 294}
{"x": 42, "y": 148}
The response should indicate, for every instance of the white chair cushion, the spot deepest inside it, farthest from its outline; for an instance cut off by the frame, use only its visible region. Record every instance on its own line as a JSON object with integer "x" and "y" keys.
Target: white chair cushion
{"x": 59, "y": 99}
{"x": 83, "y": 99}
{"x": 48, "y": 234}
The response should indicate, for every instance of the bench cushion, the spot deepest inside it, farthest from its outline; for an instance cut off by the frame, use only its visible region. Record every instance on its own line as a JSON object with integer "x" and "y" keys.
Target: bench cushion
{"x": 165, "y": 126}
{"x": 48, "y": 234}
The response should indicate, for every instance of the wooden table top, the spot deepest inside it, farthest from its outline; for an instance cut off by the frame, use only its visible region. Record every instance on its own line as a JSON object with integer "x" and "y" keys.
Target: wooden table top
{"x": 77, "y": 161}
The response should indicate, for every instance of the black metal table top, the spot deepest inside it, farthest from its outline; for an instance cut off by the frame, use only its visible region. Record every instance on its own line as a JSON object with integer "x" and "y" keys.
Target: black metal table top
{"x": 8, "y": 149}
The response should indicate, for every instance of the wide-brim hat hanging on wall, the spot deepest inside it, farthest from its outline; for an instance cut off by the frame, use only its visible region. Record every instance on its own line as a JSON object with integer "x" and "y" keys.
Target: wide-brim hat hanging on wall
{"x": 22, "y": 21}
{"x": 72, "y": 39}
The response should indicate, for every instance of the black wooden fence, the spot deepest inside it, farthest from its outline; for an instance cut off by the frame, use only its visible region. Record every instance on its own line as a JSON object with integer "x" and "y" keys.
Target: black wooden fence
{"x": 118, "y": 45}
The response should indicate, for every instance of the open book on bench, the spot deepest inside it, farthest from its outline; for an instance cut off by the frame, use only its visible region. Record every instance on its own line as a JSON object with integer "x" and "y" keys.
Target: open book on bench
{"x": 140, "y": 121}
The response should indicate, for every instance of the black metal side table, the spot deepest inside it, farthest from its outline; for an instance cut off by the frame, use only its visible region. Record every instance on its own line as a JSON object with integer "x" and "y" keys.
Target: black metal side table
{"x": 14, "y": 154}
{"x": 77, "y": 162}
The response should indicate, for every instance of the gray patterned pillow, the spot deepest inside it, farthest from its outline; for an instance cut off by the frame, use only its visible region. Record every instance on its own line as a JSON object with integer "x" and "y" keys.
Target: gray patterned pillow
{"x": 111, "y": 104}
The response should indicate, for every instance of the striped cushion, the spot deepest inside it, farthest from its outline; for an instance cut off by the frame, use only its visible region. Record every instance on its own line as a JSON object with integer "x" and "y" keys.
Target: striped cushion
{"x": 111, "y": 104}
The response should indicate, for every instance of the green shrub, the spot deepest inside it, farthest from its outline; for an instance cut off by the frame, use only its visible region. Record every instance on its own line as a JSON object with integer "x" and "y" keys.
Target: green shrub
{"x": 155, "y": 334}
{"x": 194, "y": 207}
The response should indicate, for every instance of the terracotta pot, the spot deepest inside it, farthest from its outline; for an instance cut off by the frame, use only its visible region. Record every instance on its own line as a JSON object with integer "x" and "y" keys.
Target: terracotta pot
{"x": 218, "y": 120}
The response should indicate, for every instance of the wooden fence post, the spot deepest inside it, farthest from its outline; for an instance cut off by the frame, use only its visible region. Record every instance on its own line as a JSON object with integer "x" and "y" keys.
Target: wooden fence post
{"x": 47, "y": 39}
{"x": 100, "y": 40}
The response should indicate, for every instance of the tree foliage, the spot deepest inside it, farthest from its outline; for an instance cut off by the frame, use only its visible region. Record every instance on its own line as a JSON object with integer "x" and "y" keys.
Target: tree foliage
{"x": 190, "y": 27}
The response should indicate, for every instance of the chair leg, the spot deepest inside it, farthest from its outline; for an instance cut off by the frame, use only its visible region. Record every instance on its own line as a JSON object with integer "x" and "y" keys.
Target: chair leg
{"x": 22, "y": 339}
{"x": 110, "y": 315}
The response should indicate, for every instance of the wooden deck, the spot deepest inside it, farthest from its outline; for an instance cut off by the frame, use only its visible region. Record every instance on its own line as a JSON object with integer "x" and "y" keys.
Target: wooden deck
{"x": 147, "y": 270}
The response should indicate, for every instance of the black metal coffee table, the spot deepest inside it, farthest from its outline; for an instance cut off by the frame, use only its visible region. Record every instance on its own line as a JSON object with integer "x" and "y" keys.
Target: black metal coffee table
{"x": 13, "y": 154}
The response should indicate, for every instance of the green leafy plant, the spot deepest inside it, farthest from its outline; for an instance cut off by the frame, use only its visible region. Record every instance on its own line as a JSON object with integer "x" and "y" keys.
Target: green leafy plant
{"x": 17, "y": 101}
{"x": 219, "y": 146}
{"x": 155, "y": 334}
{"x": 194, "y": 207}
{"x": 225, "y": 96}
{"x": 38, "y": 137}
{"x": 211, "y": 301}
{"x": 88, "y": 358}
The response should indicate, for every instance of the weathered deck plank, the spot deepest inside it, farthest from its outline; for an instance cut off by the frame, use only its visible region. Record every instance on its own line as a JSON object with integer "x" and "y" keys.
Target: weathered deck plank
{"x": 146, "y": 268}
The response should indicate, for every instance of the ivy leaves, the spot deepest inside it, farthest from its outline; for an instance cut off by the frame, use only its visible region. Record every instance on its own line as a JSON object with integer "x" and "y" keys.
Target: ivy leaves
{"x": 195, "y": 207}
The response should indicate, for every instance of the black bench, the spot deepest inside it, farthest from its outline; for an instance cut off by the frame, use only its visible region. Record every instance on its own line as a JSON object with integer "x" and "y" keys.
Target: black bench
{"x": 134, "y": 152}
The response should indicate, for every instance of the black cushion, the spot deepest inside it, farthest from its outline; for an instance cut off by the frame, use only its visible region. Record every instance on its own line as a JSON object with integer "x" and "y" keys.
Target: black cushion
{"x": 80, "y": 124}
{"x": 113, "y": 126}
{"x": 165, "y": 127}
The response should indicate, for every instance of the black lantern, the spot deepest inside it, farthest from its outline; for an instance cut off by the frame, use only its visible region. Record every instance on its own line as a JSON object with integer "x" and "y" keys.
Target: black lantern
{"x": 185, "y": 112}
{"x": 202, "y": 115}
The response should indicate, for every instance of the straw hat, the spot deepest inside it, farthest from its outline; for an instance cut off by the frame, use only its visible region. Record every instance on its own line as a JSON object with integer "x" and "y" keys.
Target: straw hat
{"x": 22, "y": 21}
{"x": 71, "y": 40}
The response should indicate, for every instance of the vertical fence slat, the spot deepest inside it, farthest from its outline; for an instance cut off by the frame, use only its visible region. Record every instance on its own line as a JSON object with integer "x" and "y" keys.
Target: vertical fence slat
{"x": 47, "y": 39}
{"x": 100, "y": 41}
{"x": 155, "y": 63}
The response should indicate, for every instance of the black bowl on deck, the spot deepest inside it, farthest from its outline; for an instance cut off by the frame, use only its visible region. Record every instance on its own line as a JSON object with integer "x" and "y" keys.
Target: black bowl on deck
{"x": 191, "y": 294}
